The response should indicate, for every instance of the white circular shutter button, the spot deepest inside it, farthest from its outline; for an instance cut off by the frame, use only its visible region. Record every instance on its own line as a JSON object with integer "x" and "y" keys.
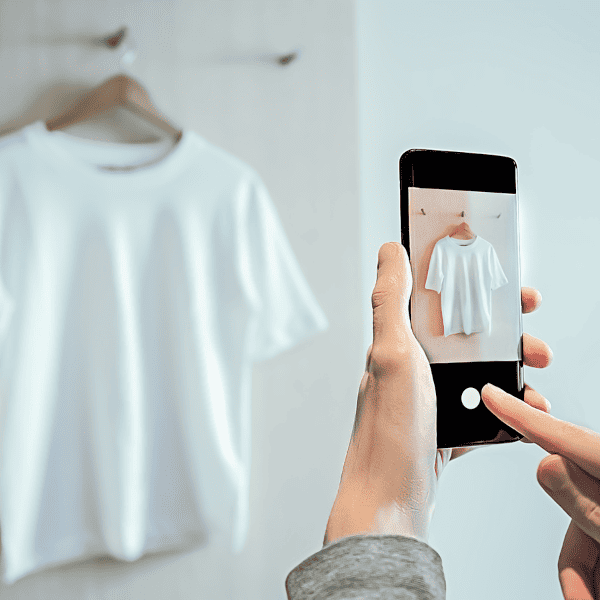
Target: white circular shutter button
{"x": 470, "y": 398}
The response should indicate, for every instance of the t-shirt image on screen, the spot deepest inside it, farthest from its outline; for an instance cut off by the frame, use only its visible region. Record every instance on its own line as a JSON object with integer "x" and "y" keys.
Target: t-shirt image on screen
{"x": 465, "y": 272}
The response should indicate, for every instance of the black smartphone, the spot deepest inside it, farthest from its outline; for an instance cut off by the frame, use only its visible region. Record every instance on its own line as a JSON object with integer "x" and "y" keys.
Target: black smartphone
{"x": 459, "y": 222}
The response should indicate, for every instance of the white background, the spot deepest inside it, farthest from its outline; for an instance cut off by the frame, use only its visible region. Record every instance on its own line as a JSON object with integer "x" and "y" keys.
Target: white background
{"x": 522, "y": 80}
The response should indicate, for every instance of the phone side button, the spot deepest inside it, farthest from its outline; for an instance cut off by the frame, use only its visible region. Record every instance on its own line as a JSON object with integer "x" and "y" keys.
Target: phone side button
{"x": 470, "y": 398}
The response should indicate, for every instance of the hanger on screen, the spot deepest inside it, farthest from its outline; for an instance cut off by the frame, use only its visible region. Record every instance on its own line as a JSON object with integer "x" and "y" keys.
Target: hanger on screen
{"x": 463, "y": 229}
{"x": 118, "y": 91}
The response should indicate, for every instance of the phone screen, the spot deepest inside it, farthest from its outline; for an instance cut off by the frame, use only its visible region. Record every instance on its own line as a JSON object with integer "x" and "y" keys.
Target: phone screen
{"x": 460, "y": 228}
{"x": 466, "y": 298}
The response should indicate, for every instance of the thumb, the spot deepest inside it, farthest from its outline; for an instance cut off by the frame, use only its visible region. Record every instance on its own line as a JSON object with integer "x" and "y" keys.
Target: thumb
{"x": 390, "y": 296}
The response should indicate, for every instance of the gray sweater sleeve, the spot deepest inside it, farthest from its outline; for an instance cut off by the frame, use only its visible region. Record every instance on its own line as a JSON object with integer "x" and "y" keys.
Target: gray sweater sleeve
{"x": 366, "y": 567}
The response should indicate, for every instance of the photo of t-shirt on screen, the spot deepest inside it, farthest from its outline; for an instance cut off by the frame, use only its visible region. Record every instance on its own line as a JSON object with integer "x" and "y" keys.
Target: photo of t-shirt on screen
{"x": 465, "y": 273}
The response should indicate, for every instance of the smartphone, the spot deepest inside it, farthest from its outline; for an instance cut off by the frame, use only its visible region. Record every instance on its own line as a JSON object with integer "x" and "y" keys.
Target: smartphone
{"x": 459, "y": 222}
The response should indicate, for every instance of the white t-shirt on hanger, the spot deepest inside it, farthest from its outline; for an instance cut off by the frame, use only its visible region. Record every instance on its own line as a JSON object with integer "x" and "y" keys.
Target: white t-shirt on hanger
{"x": 465, "y": 272}
{"x": 132, "y": 306}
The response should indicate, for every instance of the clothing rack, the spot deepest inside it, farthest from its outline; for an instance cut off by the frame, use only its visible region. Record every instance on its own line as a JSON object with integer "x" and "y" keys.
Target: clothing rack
{"x": 462, "y": 214}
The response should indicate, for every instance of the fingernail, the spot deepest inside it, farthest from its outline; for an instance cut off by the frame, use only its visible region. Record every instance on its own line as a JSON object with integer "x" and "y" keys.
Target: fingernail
{"x": 550, "y": 480}
{"x": 491, "y": 388}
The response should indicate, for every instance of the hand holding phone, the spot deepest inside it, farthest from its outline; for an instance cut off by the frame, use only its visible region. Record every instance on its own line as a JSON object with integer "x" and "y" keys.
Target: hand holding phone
{"x": 389, "y": 480}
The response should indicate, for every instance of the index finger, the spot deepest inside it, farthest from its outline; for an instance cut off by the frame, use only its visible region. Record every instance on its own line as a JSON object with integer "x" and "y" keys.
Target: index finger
{"x": 579, "y": 444}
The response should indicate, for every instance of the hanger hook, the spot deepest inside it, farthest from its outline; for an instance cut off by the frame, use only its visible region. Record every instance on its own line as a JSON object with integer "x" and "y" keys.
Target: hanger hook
{"x": 462, "y": 214}
{"x": 422, "y": 211}
{"x": 287, "y": 58}
{"x": 116, "y": 39}
{"x": 113, "y": 40}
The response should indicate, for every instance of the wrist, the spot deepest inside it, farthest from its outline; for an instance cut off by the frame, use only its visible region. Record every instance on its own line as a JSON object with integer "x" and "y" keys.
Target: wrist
{"x": 366, "y": 512}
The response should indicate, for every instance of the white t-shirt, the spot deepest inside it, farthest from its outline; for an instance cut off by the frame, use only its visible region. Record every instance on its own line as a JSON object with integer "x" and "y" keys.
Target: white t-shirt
{"x": 465, "y": 272}
{"x": 132, "y": 305}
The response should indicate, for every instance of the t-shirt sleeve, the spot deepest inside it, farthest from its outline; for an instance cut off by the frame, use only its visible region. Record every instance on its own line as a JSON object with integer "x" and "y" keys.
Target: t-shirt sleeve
{"x": 285, "y": 310}
{"x": 498, "y": 276}
{"x": 435, "y": 275}
{"x": 369, "y": 567}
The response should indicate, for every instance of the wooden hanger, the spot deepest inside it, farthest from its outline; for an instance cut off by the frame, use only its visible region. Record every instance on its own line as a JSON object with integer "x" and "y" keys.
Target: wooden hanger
{"x": 463, "y": 230}
{"x": 120, "y": 90}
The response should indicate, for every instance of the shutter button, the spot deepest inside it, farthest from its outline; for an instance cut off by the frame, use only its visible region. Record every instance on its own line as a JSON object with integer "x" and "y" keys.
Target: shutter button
{"x": 470, "y": 398}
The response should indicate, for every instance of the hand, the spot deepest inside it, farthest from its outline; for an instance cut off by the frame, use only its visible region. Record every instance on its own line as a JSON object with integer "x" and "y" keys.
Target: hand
{"x": 390, "y": 475}
{"x": 571, "y": 477}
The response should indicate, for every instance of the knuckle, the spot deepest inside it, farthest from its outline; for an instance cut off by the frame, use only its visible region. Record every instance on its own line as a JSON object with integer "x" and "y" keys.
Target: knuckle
{"x": 378, "y": 296}
{"x": 387, "y": 360}
{"x": 591, "y": 513}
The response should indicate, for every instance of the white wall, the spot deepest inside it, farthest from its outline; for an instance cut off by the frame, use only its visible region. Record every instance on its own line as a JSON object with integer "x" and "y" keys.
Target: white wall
{"x": 519, "y": 79}
{"x": 210, "y": 66}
